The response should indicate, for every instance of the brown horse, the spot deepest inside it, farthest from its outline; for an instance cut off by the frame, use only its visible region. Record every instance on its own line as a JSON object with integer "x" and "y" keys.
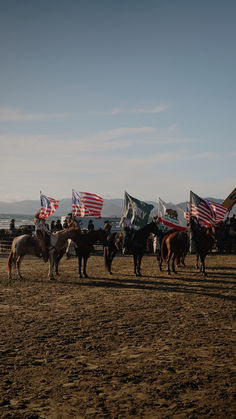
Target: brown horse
{"x": 83, "y": 247}
{"x": 204, "y": 239}
{"x": 174, "y": 247}
{"x": 28, "y": 245}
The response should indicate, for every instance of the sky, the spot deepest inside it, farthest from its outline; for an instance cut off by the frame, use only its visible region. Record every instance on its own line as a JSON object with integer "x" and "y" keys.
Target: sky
{"x": 111, "y": 96}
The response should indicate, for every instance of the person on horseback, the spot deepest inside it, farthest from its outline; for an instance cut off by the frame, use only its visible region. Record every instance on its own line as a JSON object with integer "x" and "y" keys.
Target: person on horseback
{"x": 90, "y": 225}
{"x": 107, "y": 227}
{"x": 126, "y": 227}
{"x": 42, "y": 233}
{"x": 194, "y": 233}
{"x": 72, "y": 222}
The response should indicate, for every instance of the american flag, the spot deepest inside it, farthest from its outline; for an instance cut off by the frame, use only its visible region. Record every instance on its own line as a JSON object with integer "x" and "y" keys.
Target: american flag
{"x": 48, "y": 206}
{"x": 85, "y": 204}
{"x": 220, "y": 211}
{"x": 207, "y": 212}
{"x": 186, "y": 213}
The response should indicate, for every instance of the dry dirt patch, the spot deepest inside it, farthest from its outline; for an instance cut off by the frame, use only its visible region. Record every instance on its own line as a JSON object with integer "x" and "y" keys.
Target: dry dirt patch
{"x": 157, "y": 346}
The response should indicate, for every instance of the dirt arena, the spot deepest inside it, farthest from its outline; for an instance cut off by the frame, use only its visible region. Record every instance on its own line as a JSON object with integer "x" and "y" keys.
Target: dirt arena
{"x": 158, "y": 346}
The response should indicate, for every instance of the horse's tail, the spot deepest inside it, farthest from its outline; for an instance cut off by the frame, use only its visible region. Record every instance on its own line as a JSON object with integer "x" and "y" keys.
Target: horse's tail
{"x": 11, "y": 259}
{"x": 106, "y": 261}
{"x": 164, "y": 250}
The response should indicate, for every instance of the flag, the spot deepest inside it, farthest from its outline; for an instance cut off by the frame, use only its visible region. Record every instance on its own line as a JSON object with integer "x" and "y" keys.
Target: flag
{"x": 48, "y": 206}
{"x": 220, "y": 211}
{"x": 186, "y": 212}
{"x": 85, "y": 204}
{"x": 230, "y": 200}
{"x": 137, "y": 211}
{"x": 207, "y": 212}
{"x": 171, "y": 216}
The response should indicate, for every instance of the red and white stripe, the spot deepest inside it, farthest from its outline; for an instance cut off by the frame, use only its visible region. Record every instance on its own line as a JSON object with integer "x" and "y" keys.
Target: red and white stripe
{"x": 207, "y": 212}
{"x": 85, "y": 204}
{"x": 48, "y": 206}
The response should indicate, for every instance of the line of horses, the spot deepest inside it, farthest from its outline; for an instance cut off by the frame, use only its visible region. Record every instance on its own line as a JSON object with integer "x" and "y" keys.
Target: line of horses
{"x": 174, "y": 246}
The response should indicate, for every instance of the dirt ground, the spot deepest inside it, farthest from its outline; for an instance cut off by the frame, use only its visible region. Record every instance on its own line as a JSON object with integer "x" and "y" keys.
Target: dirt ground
{"x": 158, "y": 346}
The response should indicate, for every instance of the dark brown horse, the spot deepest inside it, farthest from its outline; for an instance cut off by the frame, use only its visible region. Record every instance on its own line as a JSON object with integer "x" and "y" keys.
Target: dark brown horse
{"x": 174, "y": 247}
{"x": 137, "y": 246}
{"x": 84, "y": 247}
{"x": 204, "y": 239}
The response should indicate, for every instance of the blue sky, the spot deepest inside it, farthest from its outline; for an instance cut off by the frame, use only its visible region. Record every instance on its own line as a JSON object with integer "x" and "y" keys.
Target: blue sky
{"x": 107, "y": 96}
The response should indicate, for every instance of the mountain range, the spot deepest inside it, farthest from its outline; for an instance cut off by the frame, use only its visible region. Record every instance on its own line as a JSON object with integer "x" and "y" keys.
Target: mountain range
{"x": 111, "y": 207}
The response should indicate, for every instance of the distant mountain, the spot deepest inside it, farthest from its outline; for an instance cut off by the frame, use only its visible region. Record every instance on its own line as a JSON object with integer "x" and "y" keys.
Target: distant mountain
{"x": 111, "y": 207}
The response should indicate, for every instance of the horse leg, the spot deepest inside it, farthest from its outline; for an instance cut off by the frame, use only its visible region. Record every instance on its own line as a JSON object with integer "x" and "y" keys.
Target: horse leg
{"x": 139, "y": 265}
{"x": 135, "y": 264}
{"x": 51, "y": 266}
{"x": 18, "y": 262}
{"x": 203, "y": 267}
{"x": 196, "y": 261}
{"x": 109, "y": 261}
{"x": 168, "y": 262}
{"x": 80, "y": 263}
{"x": 111, "y": 256}
{"x": 160, "y": 261}
{"x": 173, "y": 263}
{"x": 9, "y": 263}
{"x": 57, "y": 260}
{"x": 85, "y": 265}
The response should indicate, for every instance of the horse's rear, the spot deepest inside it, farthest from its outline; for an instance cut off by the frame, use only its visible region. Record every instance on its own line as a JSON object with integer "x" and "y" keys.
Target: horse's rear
{"x": 174, "y": 247}
{"x": 114, "y": 244}
{"x": 204, "y": 244}
{"x": 21, "y": 245}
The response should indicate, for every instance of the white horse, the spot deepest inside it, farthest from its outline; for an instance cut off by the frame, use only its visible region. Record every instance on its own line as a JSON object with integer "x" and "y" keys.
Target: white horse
{"x": 28, "y": 245}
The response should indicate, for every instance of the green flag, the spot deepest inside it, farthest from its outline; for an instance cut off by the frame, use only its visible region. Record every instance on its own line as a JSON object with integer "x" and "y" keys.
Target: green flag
{"x": 137, "y": 211}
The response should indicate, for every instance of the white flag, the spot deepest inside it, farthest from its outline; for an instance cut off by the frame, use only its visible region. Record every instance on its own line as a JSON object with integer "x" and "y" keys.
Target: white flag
{"x": 171, "y": 216}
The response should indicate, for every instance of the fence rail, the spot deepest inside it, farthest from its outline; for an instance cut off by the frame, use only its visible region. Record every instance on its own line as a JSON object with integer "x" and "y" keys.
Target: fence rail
{"x": 5, "y": 246}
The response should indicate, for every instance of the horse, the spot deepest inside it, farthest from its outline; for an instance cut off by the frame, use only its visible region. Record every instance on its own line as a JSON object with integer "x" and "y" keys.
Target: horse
{"x": 22, "y": 245}
{"x": 174, "y": 247}
{"x": 137, "y": 246}
{"x": 29, "y": 245}
{"x": 83, "y": 248}
{"x": 204, "y": 238}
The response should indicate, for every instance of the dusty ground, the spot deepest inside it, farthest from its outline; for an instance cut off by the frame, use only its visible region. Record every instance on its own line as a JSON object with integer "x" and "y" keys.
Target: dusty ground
{"x": 119, "y": 347}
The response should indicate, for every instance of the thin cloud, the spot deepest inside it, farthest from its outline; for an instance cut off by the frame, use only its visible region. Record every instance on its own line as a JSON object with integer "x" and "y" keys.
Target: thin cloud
{"x": 173, "y": 127}
{"x": 117, "y": 111}
{"x": 100, "y": 141}
{"x": 16, "y": 115}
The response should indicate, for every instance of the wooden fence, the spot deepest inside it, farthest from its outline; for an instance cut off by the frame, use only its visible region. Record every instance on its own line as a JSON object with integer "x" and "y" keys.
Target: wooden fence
{"x": 5, "y": 246}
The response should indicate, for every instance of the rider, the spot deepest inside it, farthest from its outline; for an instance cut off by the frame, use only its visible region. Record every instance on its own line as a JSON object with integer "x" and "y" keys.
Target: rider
{"x": 42, "y": 233}
{"x": 194, "y": 229}
{"x": 90, "y": 226}
{"x": 107, "y": 227}
{"x": 126, "y": 226}
{"x": 72, "y": 222}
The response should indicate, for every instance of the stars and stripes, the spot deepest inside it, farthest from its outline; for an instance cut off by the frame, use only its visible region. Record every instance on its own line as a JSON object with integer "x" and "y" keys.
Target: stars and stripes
{"x": 207, "y": 212}
{"x": 85, "y": 204}
{"x": 48, "y": 206}
{"x": 220, "y": 211}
